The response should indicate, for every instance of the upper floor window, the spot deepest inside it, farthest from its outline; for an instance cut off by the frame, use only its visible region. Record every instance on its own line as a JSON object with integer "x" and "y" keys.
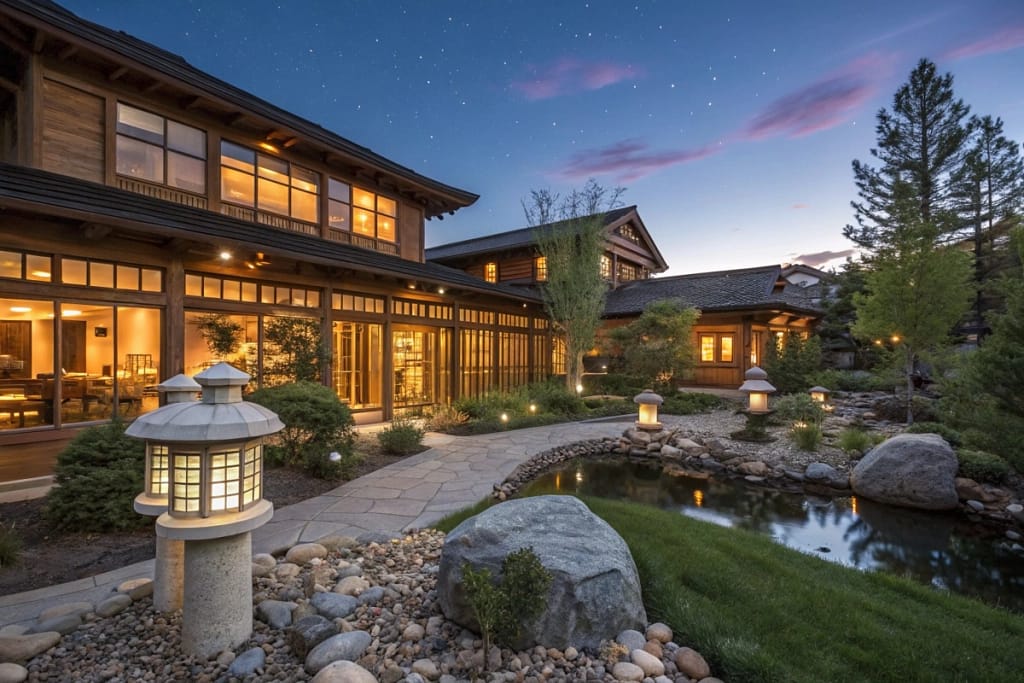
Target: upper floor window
{"x": 540, "y": 268}
{"x": 627, "y": 272}
{"x": 151, "y": 147}
{"x": 606, "y": 267}
{"x": 250, "y": 178}
{"x": 361, "y": 211}
{"x": 491, "y": 271}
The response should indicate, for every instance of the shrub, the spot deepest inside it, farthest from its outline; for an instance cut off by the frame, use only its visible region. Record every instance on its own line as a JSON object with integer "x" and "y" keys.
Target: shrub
{"x": 444, "y": 418}
{"x": 806, "y": 435}
{"x": 798, "y": 408}
{"x": 616, "y": 384}
{"x": 401, "y": 437}
{"x": 690, "y": 403}
{"x": 982, "y": 466}
{"x": 894, "y": 408}
{"x": 316, "y": 424}
{"x": 10, "y": 547}
{"x": 791, "y": 364}
{"x": 853, "y": 440}
{"x": 948, "y": 433}
{"x": 554, "y": 399}
{"x": 98, "y": 476}
{"x": 502, "y": 608}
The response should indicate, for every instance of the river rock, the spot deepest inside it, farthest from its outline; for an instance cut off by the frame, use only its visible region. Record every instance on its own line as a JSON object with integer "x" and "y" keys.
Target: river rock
{"x": 115, "y": 604}
{"x": 659, "y": 632}
{"x": 825, "y": 474}
{"x": 651, "y": 665}
{"x": 1016, "y": 511}
{"x": 286, "y": 570}
{"x": 352, "y": 585}
{"x": 136, "y": 589}
{"x": 593, "y": 595}
{"x": 371, "y": 596}
{"x": 334, "y": 605}
{"x": 263, "y": 564}
{"x": 248, "y": 663}
{"x": 912, "y": 470}
{"x": 63, "y": 625}
{"x": 78, "y": 608}
{"x": 691, "y": 663}
{"x": 755, "y": 468}
{"x": 413, "y": 632}
{"x": 348, "y": 646}
{"x": 344, "y": 672}
{"x": 275, "y": 613}
{"x": 304, "y": 552}
{"x": 631, "y": 639}
{"x": 627, "y": 671}
{"x": 427, "y": 669}
{"x": 336, "y": 542}
{"x": 307, "y": 633}
{"x": 23, "y": 648}
{"x": 12, "y": 673}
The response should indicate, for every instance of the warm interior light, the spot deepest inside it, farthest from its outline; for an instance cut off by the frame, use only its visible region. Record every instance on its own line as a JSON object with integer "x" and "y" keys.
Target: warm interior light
{"x": 579, "y": 476}
{"x": 225, "y": 255}
{"x": 698, "y": 498}
{"x": 440, "y": 290}
{"x": 70, "y": 312}
{"x": 41, "y": 274}
{"x": 758, "y": 402}
{"x": 268, "y": 147}
{"x": 20, "y": 309}
{"x": 648, "y": 413}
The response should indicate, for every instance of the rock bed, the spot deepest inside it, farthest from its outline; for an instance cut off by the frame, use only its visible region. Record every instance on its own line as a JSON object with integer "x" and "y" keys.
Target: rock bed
{"x": 389, "y": 624}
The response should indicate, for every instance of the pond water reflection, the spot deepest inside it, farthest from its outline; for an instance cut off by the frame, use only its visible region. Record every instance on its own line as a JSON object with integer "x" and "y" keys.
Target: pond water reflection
{"x": 940, "y": 549}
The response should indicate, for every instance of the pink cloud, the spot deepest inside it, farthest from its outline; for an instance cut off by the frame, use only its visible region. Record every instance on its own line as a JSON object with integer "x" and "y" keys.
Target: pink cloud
{"x": 799, "y": 205}
{"x": 820, "y": 258}
{"x": 823, "y": 104}
{"x": 629, "y": 160}
{"x": 568, "y": 76}
{"x": 1007, "y": 39}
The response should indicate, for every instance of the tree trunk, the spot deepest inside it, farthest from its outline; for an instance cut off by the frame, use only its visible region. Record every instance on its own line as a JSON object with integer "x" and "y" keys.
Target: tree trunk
{"x": 909, "y": 369}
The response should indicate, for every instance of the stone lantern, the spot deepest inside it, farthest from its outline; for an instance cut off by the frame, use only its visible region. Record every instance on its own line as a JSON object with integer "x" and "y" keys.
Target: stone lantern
{"x": 757, "y": 388}
{"x": 648, "y": 417}
{"x": 819, "y": 394}
{"x": 214, "y": 462}
{"x": 168, "y": 570}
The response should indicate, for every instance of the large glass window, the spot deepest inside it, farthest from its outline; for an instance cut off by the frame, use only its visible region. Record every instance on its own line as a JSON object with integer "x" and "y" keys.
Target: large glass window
{"x": 491, "y": 271}
{"x": 214, "y": 337}
{"x": 716, "y": 347}
{"x": 476, "y": 361}
{"x": 26, "y": 363}
{"x": 357, "y": 354}
{"x": 361, "y": 211}
{"x": 414, "y": 357}
{"x": 268, "y": 183}
{"x": 151, "y": 147}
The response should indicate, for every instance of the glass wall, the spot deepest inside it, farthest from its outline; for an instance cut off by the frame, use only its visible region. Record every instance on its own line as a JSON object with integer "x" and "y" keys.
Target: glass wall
{"x": 476, "y": 361}
{"x": 214, "y": 337}
{"x": 415, "y": 361}
{"x": 357, "y": 353}
{"x": 26, "y": 363}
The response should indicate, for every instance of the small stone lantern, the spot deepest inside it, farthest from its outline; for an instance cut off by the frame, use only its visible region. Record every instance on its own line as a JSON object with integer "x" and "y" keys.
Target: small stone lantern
{"x": 169, "y": 567}
{"x": 819, "y": 394}
{"x": 214, "y": 457}
{"x": 648, "y": 417}
{"x": 757, "y": 388}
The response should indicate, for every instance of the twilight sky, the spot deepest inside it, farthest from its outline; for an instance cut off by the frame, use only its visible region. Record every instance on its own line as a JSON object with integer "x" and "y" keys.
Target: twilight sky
{"x": 731, "y": 123}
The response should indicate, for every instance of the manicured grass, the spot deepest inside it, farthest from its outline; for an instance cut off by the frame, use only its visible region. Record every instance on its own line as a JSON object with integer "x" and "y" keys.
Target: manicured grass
{"x": 761, "y": 612}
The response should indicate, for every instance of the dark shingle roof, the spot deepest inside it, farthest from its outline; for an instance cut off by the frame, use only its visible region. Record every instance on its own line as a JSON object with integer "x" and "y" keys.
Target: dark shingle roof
{"x": 30, "y": 189}
{"x": 520, "y": 237}
{"x": 725, "y": 290}
{"x": 176, "y": 67}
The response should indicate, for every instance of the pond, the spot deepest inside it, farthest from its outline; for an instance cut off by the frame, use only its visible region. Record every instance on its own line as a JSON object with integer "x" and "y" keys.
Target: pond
{"x": 943, "y": 550}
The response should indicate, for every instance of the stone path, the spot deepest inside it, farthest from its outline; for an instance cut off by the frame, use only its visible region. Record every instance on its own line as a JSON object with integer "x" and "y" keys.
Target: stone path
{"x": 453, "y": 473}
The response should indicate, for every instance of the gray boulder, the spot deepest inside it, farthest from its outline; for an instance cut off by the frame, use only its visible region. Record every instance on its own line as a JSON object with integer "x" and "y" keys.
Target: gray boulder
{"x": 334, "y": 605}
{"x": 912, "y": 470}
{"x": 248, "y": 663}
{"x": 275, "y": 613}
{"x": 307, "y": 633}
{"x": 595, "y": 591}
{"x": 826, "y": 475}
{"x": 348, "y": 646}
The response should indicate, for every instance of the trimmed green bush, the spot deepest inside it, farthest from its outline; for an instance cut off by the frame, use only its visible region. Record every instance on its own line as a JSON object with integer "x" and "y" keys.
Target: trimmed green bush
{"x": 98, "y": 476}
{"x": 316, "y": 423}
{"x": 982, "y": 466}
{"x": 793, "y": 363}
{"x": 615, "y": 384}
{"x": 797, "y": 408}
{"x": 401, "y": 437}
{"x": 948, "y": 433}
{"x": 690, "y": 403}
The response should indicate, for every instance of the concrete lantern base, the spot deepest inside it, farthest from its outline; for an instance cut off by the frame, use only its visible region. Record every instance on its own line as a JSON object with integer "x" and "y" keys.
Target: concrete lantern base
{"x": 168, "y": 574}
{"x": 217, "y": 611}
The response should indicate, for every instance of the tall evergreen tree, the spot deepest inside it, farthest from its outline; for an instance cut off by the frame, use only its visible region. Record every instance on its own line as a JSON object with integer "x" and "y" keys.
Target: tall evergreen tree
{"x": 990, "y": 186}
{"x": 921, "y": 142}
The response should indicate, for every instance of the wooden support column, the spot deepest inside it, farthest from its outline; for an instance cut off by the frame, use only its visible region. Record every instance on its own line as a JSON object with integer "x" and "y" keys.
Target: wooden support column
{"x": 174, "y": 344}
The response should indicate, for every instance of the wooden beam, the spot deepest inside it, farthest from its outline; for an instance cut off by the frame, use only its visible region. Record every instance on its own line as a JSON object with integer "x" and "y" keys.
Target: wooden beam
{"x": 153, "y": 87}
{"x": 15, "y": 32}
{"x": 274, "y": 134}
{"x": 234, "y": 119}
{"x": 95, "y": 231}
{"x": 38, "y": 42}
{"x": 8, "y": 85}
{"x": 191, "y": 102}
{"x": 117, "y": 73}
{"x": 290, "y": 142}
{"x": 67, "y": 53}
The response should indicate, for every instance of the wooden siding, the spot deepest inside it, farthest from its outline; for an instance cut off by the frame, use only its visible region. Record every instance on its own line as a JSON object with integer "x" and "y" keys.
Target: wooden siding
{"x": 73, "y": 130}
{"x": 515, "y": 269}
{"x": 410, "y": 232}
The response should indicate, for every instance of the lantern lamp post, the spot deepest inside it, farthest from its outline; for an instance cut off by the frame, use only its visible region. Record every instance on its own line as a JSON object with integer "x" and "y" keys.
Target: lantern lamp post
{"x": 213, "y": 451}
{"x": 757, "y": 388}
{"x": 169, "y": 567}
{"x": 819, "y": 394}
{"x": 648, "y": 411}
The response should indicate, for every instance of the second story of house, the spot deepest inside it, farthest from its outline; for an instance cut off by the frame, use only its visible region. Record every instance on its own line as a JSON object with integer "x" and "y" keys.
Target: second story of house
{"x": 86, "y": 101}
{"x": 513, "y": 257}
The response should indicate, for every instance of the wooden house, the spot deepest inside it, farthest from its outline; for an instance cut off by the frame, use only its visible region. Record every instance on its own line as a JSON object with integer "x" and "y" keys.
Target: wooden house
{"x": 155, "y": 219}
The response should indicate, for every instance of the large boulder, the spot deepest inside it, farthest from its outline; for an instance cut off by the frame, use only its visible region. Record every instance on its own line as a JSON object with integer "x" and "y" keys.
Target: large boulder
{"x": 595, "y": 591}
{"x": 912, "y": 470}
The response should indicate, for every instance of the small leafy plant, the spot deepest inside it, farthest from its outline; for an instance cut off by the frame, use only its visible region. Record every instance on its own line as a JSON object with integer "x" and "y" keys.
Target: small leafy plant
{"x": 444, "y": 418}
{"x": 10, "y": 547}
{"x": 502, "y": 608}
{"x": 806, "y": 435}
{"x": 401, "y": 437}
{"x": 853, "y": 440}
{"x": 982, "y": 466}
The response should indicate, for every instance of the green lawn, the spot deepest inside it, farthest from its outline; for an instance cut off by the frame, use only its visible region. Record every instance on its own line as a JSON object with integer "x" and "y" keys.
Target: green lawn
{"x": 761, "y": 612}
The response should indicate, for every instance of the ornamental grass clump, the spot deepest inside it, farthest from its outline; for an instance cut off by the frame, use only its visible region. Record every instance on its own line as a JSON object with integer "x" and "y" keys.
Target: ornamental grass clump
{"x": 10, "y": 547}
{"x": 401, "y": 437}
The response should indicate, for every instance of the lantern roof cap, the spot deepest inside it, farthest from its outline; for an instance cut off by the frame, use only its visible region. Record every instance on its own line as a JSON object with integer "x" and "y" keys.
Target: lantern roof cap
{"x": 756, "y": 381}
{"x": 179, "y": 382}
{"x": 197, "y": 422}
{"x": 648, "y": 397}
{"x": 819, "y": 390}
{"x": 223, "y": 374}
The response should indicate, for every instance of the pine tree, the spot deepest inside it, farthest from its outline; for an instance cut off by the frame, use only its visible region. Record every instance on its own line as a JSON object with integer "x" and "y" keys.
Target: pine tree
{"x": 921, "y": 142}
